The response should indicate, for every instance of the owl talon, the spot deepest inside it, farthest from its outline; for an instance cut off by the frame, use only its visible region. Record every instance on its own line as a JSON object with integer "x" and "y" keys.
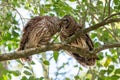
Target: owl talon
{"x": 27, "y": 59}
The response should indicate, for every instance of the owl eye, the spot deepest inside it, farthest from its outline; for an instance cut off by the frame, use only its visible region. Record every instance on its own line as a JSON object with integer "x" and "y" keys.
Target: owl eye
{"x": 65, "y": 21}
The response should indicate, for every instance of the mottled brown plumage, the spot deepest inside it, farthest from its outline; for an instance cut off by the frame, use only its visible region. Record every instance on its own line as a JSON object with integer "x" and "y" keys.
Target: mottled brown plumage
{"x": 68, "y": 28}
{"x": 38, "y": 31}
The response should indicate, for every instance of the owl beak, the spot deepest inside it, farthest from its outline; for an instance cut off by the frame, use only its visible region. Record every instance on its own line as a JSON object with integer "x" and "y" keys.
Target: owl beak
{"x": 60, "y": 21}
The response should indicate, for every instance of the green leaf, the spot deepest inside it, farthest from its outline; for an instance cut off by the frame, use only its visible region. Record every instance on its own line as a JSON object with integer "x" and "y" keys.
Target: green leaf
{"x": 16, "y": 73}
{"x": 46, "y": 62}
{"x": 32, "y": 78}
{"x": 110, "y": 69}
{"x": 97, "y": 44}
{"x": 100, "y": 56}
{"x": 27, "y": 73}
{"x": 15, "y": 33}
{"x": 26, "y": 67}
{"x": 41, "y": 78}
{"x": 107, "y": 62}
{"x": 87, "y": 79}
{"x": 33, "y": 63}
{"x": 99, "y": 2}
{"x": 117, "y": 71}
{"x": 67, "y": 78}
{"x": 24, "y": 78}
{"x": 115, "y": 77}
{"x": 93, "y": 35}
{"x": 9, "y": 76}
{"x": 72, "y": 0}
{"x": 55, "y": 55}
{"x": 116, "y": 2}
{"x": 102, "y": 72}
{"x": 77, "y": 77}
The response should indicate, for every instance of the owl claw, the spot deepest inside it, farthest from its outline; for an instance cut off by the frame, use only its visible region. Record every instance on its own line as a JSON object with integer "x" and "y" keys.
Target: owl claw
{"x": 27, "y": 59}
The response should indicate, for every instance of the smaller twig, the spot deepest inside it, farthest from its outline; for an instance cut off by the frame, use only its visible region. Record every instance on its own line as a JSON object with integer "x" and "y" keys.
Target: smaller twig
{"x": 93, "y": 16}
{"x": 19, "y": 15}
{"x": 78, "y": 72}
{"x": 104, "y": 9}
{"x": 109, "y": 10}
{"x": 114, "y": 36}
{"x": 84, "y": 18}
{"x": 81, "y": 19}
{"x": 112, "y": 15}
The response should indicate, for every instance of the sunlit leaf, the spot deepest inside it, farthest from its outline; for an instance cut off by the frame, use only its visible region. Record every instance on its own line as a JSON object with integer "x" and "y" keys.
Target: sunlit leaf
{"x": 26, "y": 67}
{"x": 116, "y": 2}
{"x": 33, "y": 63}
{"x": 72, "y": 0}
{"x": 27, "y": 73}
{"x": 24, "y": 78}
{"x": 32, "y": 78}
{"x": 46, "y": 62}
{"x": 41, "y": 78}
{"x": 110, "y": 69}
{"x": 77, "y": 77}
{"x": 115, "y": 77}
{"x": 67, "y": 78}
{"x": 56, "y": 55}
{"x": 107, "y": 62}
{"x": 16, "y": 73}
{"x": 117, "y": 71}
{"x": 102, "y": 72}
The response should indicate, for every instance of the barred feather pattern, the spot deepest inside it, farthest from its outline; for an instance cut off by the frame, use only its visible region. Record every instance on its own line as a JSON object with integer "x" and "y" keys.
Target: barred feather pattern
{"x": 38, "y": 31}
{"x": 68, "y": 28}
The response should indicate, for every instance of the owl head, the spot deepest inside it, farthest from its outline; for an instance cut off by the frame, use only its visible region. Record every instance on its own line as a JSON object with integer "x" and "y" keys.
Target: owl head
{"x": 68, "y": 25}
{"x": 67, "y": 22}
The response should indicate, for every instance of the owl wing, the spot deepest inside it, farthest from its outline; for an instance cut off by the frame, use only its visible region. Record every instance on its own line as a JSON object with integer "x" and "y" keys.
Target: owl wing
{"x": 25, "y": 37}
{"x": 36, "y": 33}
{"x": 28, "y": 27}
{"x": 86, "y": 43}
{"x": 89, "y": 42}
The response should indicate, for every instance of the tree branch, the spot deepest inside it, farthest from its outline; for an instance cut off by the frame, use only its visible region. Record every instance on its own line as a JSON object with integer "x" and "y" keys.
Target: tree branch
{"x": 43, "y": 48}
{"x": 109, "y": 10}
{"x": 112, "y": 15}
{"x": 106, "y": 46}
{"x": 54, "y": 47}
{"x": 98, "y": 25}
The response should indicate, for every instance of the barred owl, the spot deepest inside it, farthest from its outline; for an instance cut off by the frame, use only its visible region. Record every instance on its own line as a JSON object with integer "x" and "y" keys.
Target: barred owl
{"x": 38, "y": 31}
{"x": 68, "y": 28}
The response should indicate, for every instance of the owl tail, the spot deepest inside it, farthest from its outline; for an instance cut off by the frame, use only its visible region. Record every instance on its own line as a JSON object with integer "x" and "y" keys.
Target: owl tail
{"x": 84, "y": 60}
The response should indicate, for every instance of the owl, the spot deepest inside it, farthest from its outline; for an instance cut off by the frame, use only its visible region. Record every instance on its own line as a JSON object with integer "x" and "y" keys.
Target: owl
{"x": 68, "y": 28}
{"x": 38, "y": 31}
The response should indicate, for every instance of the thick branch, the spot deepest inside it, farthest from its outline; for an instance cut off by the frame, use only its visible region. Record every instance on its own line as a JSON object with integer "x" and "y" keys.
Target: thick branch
{"x": 54, "y": 47}
{"x": 28, "y": 52}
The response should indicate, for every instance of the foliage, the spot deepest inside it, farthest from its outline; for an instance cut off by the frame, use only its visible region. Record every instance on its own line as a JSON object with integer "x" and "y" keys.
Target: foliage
{"x": 86, "y": 12}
